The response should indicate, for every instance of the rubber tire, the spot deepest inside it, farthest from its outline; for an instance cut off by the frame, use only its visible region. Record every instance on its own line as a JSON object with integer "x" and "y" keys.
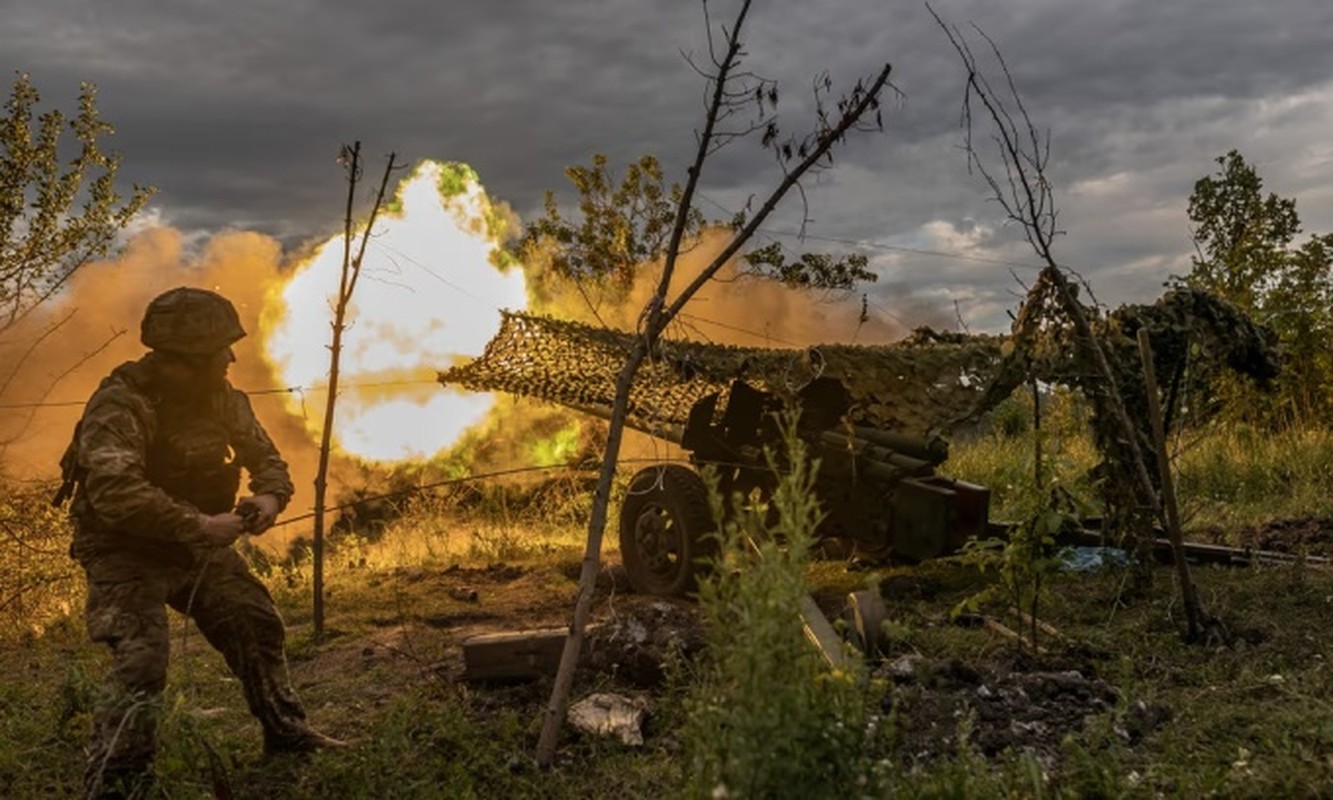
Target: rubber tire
{"x": 668, "y": 501}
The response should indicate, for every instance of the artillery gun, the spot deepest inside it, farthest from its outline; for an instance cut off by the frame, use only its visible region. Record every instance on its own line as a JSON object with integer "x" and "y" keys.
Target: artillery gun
{"x": 872, "y": 415}
{"x": 866, "y": 413}
{"x": 878, "y": 489}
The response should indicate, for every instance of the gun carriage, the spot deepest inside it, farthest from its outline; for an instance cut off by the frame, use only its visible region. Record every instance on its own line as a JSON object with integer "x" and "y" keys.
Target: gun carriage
{"x": 870, "y": 415}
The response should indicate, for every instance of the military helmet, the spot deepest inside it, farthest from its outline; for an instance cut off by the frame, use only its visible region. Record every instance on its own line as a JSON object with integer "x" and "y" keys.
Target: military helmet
{"x": 190, "y": 321}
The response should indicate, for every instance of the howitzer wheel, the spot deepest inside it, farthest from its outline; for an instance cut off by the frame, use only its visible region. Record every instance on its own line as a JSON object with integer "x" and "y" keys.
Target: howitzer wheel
{"x": 666, "y": 530}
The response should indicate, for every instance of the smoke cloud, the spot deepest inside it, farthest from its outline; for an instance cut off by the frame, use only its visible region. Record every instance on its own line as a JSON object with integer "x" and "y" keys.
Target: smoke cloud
{"x": 735, "y": 308}
{"x": 54, "y": 360}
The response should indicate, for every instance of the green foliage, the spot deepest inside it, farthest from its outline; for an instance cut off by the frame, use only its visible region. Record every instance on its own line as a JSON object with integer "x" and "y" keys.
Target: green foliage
{"x": 56, "y": 214}
{"x": 454, "y": 179}
{"x": 1228, "y": 476}
{"x": 767, "y": 717}
{"x": 1025, "y": 562}
{"x": 561, "y": 447}
{"x": 1232, "y": 476}
{"x": 1002, "y": 456}
{"x": 1011, "y": 418}
{"x": 810, "y": 270}
{"x": 621, "y": 225}
{"x": 38, "y": 580}
{"x": 1246, "y": 255}
{"x": 1242, "y": 236}
{"x": 625, "y": 225}
{"x": 1005, "y": 460}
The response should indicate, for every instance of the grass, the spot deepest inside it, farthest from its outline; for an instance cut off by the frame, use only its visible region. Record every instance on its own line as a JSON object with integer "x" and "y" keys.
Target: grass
{"x": 1248, "y": 717}
{"x": 1228, "y": 477}
{"x": 1239, "y": 477}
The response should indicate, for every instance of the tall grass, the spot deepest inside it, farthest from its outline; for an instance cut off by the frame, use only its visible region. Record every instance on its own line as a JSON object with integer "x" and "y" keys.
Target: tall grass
{"x": 1227, "y": 476}
{"x": 1236, "y": 476}
{"x": 1002, "y": 453}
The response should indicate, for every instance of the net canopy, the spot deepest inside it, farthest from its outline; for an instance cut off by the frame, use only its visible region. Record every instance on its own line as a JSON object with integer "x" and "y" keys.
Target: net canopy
{"x": 924, "y": 385}
{"x": 921, "y": 385}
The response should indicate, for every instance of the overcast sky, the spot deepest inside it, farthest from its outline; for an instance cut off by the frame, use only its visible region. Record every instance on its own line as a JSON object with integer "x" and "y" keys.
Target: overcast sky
{"x": 235, "y": 111}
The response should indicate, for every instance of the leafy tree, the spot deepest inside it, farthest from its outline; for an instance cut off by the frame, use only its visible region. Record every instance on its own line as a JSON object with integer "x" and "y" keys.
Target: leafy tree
{"x": 1240, "y": 235}
{"x": 56, "y": 212}
{"x": 623, "y": 225}
{"x": 1300, "y": 308}
{"x": 619, "y": 226}
{"x": 1245, "y": 254}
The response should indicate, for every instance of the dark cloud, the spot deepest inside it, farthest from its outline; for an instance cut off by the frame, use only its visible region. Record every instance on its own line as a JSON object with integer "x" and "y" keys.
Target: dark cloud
{"x": 236, "y": 110}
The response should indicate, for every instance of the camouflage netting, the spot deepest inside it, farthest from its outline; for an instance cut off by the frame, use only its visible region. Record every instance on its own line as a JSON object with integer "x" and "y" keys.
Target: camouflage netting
{"x": 921, "y": 385}
{"x": 1191, "y": 332}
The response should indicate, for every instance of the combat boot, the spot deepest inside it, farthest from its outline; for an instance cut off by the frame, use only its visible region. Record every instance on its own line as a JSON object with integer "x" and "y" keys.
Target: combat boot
{"x": 300, "y": 739}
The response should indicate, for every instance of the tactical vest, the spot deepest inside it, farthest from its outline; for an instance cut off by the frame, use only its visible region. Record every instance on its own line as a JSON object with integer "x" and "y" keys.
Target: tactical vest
{"x": 189, "y": 455}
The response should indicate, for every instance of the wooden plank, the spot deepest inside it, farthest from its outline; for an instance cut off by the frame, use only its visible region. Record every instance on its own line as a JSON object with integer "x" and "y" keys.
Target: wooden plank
{"x": 995, "y": 625}
{"x": 817, "y": 628}
{"x": 513, "y": 655}
{"x": 1042, "y": 625}
{"x": 821, "y": 633}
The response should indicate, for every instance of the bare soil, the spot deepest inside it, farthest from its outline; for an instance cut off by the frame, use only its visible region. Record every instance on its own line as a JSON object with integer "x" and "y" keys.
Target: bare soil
{"x": 1309, "y": 535}
{"x": 1007, "y": 698}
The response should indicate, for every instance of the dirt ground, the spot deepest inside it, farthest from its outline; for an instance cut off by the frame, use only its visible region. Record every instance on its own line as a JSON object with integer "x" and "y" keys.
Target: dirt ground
{"x": 1007, "y": 697}
{"x": 1311, "y": 536}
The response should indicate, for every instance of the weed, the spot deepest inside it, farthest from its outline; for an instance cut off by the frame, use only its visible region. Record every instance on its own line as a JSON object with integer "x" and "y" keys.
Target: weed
{"x": 39, "y": 583}
{"x": 767, "y": 717}
{"x": 1024, "y": 562}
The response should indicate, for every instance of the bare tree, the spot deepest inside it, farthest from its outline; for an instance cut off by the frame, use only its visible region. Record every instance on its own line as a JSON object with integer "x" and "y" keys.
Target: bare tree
{"x": 350, "y": 158}
{"x": 1022, "y": 188}
{"x": 732, "y": 92}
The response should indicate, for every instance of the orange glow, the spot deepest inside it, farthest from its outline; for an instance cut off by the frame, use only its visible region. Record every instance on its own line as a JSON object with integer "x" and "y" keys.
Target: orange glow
{"x": 428, "y": 294}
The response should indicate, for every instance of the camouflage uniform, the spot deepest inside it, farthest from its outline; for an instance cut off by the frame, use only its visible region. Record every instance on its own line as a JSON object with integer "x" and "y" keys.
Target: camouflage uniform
{"x": 148, "y": 463}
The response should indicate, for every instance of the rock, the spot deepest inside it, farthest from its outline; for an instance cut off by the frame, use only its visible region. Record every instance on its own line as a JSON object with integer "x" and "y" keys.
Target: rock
{"x": 606, "y": 714}
{"x": 903, "y": 668}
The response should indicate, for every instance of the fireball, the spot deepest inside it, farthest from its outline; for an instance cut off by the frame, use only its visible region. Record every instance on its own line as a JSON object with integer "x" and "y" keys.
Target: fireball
{"x": 431, "y": 287}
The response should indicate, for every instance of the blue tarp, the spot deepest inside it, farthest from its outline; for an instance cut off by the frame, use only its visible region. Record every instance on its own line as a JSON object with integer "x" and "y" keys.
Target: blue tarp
{"x": 1092, "y": 559}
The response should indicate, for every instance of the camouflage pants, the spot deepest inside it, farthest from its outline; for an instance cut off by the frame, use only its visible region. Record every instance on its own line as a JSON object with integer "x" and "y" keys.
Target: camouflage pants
{"x": 127, "y": 598}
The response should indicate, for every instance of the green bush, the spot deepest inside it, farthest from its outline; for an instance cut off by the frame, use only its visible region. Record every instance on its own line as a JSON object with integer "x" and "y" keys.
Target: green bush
{"x": 40, "y": 584}
{"x": 767, "y": 716}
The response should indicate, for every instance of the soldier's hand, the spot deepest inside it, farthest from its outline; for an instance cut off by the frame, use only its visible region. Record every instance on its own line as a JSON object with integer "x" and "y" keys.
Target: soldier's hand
{"x": 259, "y": 512}
{"x": 220, "y": 530}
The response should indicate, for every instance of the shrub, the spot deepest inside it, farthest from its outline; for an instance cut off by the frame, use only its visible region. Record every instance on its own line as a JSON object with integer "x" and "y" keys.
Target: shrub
{"x": 39, "y": 582}
{"x": 767, "y": 717}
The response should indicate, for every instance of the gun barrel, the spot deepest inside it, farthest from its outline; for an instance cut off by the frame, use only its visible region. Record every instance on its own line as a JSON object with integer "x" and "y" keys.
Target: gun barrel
{"x": 667, "y": 431}
{"x": 878, "y": 460}
{"x": 933, "y": 449}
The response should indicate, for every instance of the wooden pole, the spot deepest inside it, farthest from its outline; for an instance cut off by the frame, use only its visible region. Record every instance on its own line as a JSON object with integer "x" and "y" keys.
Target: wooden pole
{"x": 1189, "y": 597}
{"x": 351, "y": 271}
{"x": 1036, "y": 434}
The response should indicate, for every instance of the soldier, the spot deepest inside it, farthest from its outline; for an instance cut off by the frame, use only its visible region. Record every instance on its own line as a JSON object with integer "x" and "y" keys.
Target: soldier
{"x": 154, "y": 470}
